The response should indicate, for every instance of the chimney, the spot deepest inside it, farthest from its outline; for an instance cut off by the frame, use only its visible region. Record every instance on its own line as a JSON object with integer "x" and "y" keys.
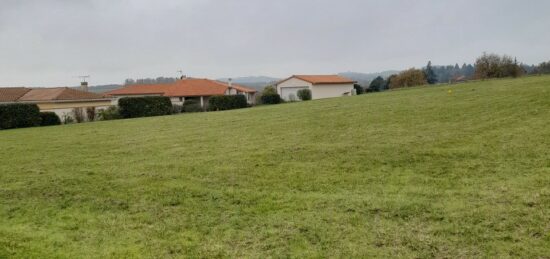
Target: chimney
{"x": 84, "y": 86}
{"x": 230, "y": 82}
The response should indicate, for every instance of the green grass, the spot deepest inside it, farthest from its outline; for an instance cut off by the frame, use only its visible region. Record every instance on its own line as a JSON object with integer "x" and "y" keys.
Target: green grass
{"x": 414, "y": 173}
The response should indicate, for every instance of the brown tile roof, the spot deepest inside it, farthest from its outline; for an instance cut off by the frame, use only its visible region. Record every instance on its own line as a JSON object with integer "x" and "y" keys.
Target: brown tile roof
{"x": 322, "y": 79}
{"x": 11, "y": 94}
{"x": 180, "y": 88}
{"x": 58, "y": 94}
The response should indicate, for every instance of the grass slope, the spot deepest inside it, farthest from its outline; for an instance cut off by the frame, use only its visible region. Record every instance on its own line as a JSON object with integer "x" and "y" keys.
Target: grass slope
{"x": 418, "y": 173}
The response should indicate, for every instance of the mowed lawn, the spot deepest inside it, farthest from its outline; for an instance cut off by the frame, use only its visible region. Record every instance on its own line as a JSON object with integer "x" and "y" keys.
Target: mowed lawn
{"x": 420, "y": 172}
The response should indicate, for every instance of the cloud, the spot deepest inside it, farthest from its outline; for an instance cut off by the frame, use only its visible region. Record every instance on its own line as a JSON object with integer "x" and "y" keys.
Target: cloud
{"x": 48, "y": 43}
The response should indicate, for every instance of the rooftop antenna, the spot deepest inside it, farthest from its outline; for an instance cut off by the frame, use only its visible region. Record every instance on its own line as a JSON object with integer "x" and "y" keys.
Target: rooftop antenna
{"x": 84, "y": 83}
{"x": 84, "y": 78}
{"x": 182, "y": 76}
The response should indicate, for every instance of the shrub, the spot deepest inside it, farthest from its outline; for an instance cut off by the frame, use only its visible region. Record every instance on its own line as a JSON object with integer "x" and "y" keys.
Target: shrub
{"x": 304, "y": 94}
{"x": 90, "y": 113}
{"x": 49, "y": 119}
{"x": 19, "y": 115}
{"x": 191, "y": 106}
{"x": 78, "y": 115}
{"x": 408, "y": 78}
{"x": 358, "y": 89}
{"x": 67, "y": 119}
{"x": 134, "y": 107}
{"x": 269, "y": 96}
{"x": 227, "y": 102}
{"x": 269, "y": 90}
{"x": 110, "y": 113}
{"x": 271, "y": 99}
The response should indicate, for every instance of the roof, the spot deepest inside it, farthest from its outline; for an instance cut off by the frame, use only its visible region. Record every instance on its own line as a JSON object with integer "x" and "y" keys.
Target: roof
{"x": 181, "y": 88}
{"x": 322, "y": 79}
{"x": 58, "y": 94}
{"x": 11, "y": 94}
{"x": 23, "y": 94}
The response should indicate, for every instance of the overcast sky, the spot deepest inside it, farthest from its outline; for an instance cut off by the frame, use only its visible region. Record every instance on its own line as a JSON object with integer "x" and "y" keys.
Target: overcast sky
{"x": 50, "y": 42}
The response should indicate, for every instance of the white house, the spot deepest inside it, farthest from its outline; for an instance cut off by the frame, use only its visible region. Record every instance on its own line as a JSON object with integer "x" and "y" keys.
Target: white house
{"x": 321, "y": 86}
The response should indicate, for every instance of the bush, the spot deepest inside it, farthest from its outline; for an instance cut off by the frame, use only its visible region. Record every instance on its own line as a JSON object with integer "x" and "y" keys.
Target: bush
{"x": 304, "y": 94}
{"x": 269, "y": 96}
{"x": 269, "y": 90}
{"x": 408, "y": 78}
{"x": 90, "y": 113}
{"x": 191, "y": 106}
{"x": 78, "y": 114}
{"x": 110, "y": 113}
{"x": 49, "y": 119}
{"x": 227, "y": 102}
{"x": 271, "y": 99}
{"x": 135, "y": 107}
{"x": 358, "y": 89}
{"x": 19, "y": 115}
{"x": 67, "y": 119}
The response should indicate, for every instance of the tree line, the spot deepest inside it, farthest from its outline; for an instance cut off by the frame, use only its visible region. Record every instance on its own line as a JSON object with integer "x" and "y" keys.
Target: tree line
{"x": 150, "y": 81}
{"x": 486, "y": 66}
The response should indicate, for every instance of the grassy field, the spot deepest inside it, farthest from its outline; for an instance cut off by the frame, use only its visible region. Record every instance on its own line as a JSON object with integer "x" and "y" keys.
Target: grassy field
{"x": 419, "y": 172}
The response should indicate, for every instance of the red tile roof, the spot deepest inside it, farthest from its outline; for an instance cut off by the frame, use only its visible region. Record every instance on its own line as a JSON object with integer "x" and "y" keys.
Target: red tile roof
{"x": 11, "y": 94}
{"x": 180, "y": 88}
{"x": 23, "y": 94}
{"x": 322, "y": 79}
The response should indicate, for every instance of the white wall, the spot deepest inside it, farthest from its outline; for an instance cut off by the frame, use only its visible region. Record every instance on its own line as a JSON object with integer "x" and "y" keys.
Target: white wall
{"x": 291, "y": 86}
{"x": 330, "y": 90}
{"x": 317, "y": 91}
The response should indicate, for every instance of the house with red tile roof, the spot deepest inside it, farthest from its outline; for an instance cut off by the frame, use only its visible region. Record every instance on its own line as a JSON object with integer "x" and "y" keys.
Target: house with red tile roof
{"x": 185, "y": 89}
{"x": 61, "y": 100}
{"x": 321, "y": 86}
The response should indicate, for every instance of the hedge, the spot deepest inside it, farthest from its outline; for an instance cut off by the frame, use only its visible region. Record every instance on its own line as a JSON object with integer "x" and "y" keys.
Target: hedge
{"x": 49, "y": 119}
{"x": 271, "y": 99}
{"x": 19, "y": 115}
{"x": 227, "y": 102}
{"x": 134, "y": 107}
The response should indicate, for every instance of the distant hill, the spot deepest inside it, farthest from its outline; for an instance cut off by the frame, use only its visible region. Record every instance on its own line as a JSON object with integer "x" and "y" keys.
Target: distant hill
{"x": 256, "y": 82}
{"x": 365, "y": 78}
{"x": 100, "y": 88}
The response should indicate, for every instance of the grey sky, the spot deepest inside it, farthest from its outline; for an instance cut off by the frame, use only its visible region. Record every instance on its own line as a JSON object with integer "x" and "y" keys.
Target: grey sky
{"x": 49, "y": 42}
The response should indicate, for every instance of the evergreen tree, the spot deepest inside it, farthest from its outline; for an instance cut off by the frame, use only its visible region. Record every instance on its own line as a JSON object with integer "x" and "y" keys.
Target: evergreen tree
{"x": 431, "y": 77}
{"x": 377, "y": 84}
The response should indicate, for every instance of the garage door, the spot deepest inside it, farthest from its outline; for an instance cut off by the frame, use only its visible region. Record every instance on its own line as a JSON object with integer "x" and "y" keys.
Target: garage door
{"x": 291, "y": 93}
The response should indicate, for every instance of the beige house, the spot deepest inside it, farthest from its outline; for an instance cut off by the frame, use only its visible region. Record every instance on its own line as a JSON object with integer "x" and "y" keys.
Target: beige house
{"x": 321, "y": 86}
{"x": 185, "y": 89}
{"x": 62, "y": 100}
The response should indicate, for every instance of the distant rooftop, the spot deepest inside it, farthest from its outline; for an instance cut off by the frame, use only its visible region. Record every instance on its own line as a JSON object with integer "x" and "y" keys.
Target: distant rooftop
{"x": 23, "y": 94}
{"x": 322, "y": 79}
